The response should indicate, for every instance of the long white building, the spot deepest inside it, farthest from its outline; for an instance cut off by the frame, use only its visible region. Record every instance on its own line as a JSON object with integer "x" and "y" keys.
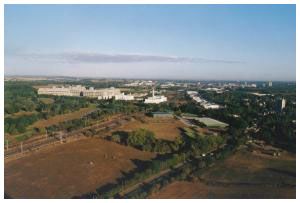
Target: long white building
{"x": 155, "y": 99}
{"x": 207, "y": 105}
{"x": 80, "y": 91}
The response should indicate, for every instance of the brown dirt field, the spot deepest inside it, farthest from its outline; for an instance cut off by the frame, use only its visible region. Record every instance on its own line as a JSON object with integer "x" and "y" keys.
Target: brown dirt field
{"x": 245, "y": 166}
{"x": 69, "y": 169}
{"x": 242, "y": 175}
{"x": 61, "y": 118}
{"x": 164, "y": 128}
{"x": 198, "y": 190}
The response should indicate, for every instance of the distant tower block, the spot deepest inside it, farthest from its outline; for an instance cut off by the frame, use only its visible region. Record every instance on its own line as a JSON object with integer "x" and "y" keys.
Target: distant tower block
{"x": 270, "y": 84}
{"x": 283, "y": 103}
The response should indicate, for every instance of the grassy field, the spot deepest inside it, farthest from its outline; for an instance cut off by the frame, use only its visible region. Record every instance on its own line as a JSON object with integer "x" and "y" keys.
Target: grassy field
{"x": 164, "y": 128}
{"x": 46, "y": 100}
{"x": 209, "y": 122}
{"x": 61, "y": 118}
{"x": 69, "y": 169}
{"x": 243, "y": 175}
{"x": 47, "y": 85}
{"x": 20, "y": 113}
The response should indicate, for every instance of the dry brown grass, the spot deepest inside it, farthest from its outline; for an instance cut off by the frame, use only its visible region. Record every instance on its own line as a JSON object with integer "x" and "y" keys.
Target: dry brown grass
{"x": 70, "y": 169}
{"x": 199, "y": 190}
{"x": 61, "y": 118}
{"x": 20, "y": 113}
{"x": 164, "y": 128}
{"x": 243, "y": 175}
{"x": 46, "y": 100}
{"x": 46, "y": 85}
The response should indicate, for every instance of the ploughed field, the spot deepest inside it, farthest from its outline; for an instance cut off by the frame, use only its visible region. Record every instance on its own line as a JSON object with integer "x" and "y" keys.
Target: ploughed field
{"x": 70, "y": 169}
{"x": 164, "y": 128}
{"x": 242, "y": 175}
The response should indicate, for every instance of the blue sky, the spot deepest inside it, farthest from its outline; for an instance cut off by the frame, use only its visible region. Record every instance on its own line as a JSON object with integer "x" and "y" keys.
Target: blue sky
{"x": 230, "y": 42}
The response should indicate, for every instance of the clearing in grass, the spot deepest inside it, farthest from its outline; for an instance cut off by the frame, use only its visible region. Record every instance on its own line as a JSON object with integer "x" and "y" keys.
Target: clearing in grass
{"x": 163, "y": 128}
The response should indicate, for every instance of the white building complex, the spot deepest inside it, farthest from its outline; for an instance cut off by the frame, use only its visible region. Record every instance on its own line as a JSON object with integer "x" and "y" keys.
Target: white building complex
{"x": 207, "y": 105}
{"x": 140, "y": 83}
{"x": 155, "y": 99}
{"x": 80, "y": 91}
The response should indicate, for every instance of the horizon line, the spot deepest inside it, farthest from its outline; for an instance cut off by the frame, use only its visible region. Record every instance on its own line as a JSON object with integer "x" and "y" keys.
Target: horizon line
{"x": 144, "y": 78}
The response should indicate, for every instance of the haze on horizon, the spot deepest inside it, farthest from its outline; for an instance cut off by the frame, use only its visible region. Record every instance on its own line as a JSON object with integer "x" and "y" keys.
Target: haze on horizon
{"x": 220, "y": 42}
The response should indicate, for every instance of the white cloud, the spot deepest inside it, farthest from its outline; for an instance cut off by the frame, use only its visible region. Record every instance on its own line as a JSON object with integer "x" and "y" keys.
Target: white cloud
{"x": 87, "y": 57}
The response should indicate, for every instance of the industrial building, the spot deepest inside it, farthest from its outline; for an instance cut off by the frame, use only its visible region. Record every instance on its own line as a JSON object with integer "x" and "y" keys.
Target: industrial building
{"x": 155, "y": 99}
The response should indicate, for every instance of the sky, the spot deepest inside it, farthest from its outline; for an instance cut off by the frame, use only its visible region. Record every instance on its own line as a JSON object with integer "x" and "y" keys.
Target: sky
{"x": 199, "y": 42}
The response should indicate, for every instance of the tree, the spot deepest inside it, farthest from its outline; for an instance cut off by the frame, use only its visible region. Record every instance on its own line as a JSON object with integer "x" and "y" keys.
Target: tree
{"x": 116, "y": 138}
{"x": 140, "y": 137}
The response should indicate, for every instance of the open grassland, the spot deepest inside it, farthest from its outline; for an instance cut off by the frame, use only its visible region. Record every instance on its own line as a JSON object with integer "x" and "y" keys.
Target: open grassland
{"x": 200, "y": 190}
{"x": 243, "y": 175}
{"x": 212, "y": 122}
{"x": 70, "y": 169}
{"x": 64, "y": 117}
{"x": 164, "y": 128}
{"x": 47, "y": 86}
{"x": 46, "y": 100}
{"x": 19, "y": 114}
{"x": 209, "y": 122}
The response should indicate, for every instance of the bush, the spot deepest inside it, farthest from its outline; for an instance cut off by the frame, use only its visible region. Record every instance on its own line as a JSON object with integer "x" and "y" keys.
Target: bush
{"x": 116, "y": 138}
{"x": 140, "y": 137}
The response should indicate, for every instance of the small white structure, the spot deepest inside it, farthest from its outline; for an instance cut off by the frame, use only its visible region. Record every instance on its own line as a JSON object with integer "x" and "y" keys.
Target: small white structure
{"x": 124, "y": 97}
{"x": 211, "y": 106}
{"x": 155, "y": 99}
{"x": 270, "y": 84}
